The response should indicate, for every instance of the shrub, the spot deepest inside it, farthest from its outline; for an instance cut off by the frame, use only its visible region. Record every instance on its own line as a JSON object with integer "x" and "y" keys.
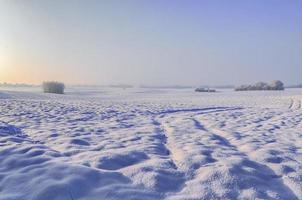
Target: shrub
{"x": 204, "y": 90}
{"x": 53, "y": 87}
{"x": 275, "y": 85}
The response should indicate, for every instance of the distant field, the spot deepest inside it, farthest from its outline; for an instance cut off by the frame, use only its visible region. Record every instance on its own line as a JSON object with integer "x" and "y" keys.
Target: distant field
{"x": 104, "y": 143}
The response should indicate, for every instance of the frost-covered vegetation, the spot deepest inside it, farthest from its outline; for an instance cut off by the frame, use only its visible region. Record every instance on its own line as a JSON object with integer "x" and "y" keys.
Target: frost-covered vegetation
{"x": 204, "y": 90}
{"x": 53, "y": 87}
{"x": 275, "y": 85}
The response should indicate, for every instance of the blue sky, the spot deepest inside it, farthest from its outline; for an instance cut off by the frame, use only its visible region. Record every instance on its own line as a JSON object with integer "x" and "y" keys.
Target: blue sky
{"x": 151, "y": 42}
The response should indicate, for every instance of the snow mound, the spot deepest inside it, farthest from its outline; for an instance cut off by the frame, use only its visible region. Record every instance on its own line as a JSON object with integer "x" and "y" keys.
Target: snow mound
{"x": 33, "y": 171}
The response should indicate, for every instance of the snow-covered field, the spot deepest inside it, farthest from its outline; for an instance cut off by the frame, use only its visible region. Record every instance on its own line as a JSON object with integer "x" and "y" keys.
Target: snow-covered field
{"x": 94, "y": 144}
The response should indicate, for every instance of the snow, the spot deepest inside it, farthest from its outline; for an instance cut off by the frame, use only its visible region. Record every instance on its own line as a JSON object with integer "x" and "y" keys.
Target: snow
{"x": 101, "y": 143}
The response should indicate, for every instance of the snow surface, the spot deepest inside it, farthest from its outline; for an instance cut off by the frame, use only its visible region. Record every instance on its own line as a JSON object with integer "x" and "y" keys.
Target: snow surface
{"x": 100, "y": 143}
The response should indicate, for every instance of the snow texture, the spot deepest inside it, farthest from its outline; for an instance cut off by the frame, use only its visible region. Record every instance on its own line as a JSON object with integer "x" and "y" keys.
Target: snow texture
{"x": 103, "y": 143}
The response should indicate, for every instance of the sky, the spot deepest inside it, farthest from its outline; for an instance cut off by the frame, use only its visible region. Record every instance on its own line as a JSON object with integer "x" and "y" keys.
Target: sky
{"x": 151, "y": 42}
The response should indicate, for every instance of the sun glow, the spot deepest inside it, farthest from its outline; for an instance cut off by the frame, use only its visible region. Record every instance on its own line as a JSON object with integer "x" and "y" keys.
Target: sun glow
{"x": 5, "y": 62}
{"x": 10, "y": 70}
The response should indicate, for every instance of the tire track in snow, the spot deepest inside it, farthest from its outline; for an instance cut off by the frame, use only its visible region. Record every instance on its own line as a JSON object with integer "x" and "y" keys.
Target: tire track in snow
{"x": 163, "y": 136}
{"x": 299, "y": 104}
{"x": 226, "y": 139}
{"x": 178, "y": 158}
{"x": 175, "y": 180}
{"x": 291, "y": 103}
{"x": 182, "y": 159}
{"x": 169, "y": 151}
{"x": 176, "y": 154}
{"x": 295, "y": 104}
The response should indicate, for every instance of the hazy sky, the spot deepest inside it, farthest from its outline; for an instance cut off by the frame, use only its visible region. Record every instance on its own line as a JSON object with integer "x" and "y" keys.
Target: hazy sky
{"x": 153, "y": 42}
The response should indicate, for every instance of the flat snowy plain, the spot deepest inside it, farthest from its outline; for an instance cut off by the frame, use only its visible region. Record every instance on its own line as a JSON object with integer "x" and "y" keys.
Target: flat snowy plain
{"x": 100, "y": 143}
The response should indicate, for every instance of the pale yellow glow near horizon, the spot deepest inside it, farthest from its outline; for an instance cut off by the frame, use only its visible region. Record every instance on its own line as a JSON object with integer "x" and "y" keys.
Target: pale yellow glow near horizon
{"x": 20, "y": 72}
{"x": 13, "y": 70}
{"x": 16, "y": 68}
{"x": 5, "y": 69}
{"x": 10, "y": 74}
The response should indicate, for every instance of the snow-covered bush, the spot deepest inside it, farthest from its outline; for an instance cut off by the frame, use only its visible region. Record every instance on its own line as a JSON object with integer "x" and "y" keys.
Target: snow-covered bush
{"x": 53, "y": 87}
{"x": 275, "y": 85}
{"x": 204, "y": 90}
